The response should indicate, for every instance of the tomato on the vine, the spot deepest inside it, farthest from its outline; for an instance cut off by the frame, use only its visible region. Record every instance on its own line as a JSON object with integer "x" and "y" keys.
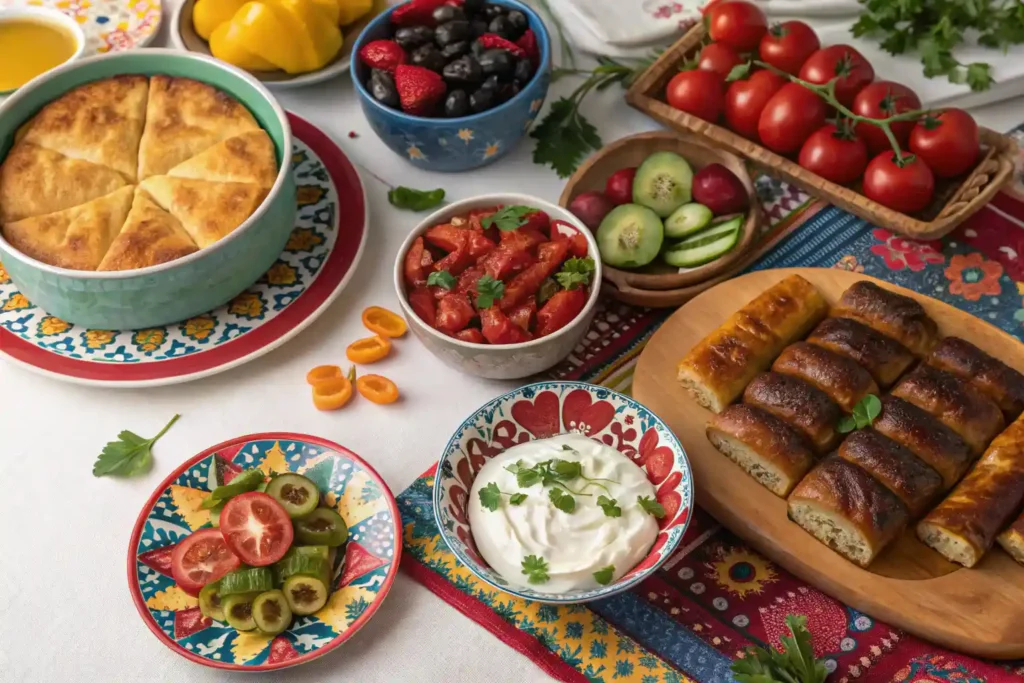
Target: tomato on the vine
{"x": 740, "y": 25}
{"x": 853, "y": 70}
{"x": 789, "y": 118}
{"x": 787, "y": 46}
{"x": 948, "y": 143}
{"x": 835, "y": 153}
{"x": 880, "y": 100}
{"x": 746, "y": 99}
{"x": 718, "y": 57}
{"x": 697, "y": 92}
{"x": 906, "y": 185}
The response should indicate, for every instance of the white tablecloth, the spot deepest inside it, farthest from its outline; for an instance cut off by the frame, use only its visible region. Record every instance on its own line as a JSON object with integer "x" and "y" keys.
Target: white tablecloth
{"x": 65, "y": 610}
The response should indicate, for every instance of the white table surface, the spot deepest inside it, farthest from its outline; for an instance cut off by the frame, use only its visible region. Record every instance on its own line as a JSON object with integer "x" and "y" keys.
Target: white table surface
{"x": 65, "y": 610}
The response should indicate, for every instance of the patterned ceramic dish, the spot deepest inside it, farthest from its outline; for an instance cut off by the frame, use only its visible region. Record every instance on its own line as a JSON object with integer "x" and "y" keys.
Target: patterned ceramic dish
{"x": 509, "y": 361}
{"x": 464, "y": 143}
{"x": 362, "y": 578}
{"x": 180, "y": 289}
{"x": 545, "y": 409}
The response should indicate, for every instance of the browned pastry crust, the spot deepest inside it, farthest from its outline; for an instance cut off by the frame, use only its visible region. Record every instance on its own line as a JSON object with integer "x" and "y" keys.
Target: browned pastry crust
{"x": 886, "y": 359}
{"x": 892, "y": 314}
{"x": 845, "y": 508}
{"x": 844, "y": 380}
{"x": 992, "y": 377}
{"x": 1012, "y": 539}
{"x": 896, "y": 468}
{"x": 150, "y": 236}
{"x": 927, "y": 438}
{"x": 959, "y": 406}
{"x": 763, "y": 445}
{"x": 964, "y": 525}
{"x": 805, "y": 408}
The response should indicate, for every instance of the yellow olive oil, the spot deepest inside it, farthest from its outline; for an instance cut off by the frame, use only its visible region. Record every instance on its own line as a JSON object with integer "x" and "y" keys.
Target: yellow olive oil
{"x": 29, "y": 47}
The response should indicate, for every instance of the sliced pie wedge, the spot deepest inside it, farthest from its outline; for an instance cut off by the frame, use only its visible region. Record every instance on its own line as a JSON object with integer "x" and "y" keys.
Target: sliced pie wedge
{"x": 207, "y": 211}
{"x": 149, "y": 237}
{"x": 185, "y": 117}
{"x": 99, "y": 122}
{"x": 75, "y": 238}
{"x": 246, "y": 158}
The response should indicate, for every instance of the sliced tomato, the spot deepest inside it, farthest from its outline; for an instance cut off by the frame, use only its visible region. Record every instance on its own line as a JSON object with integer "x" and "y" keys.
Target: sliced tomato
{"x": 201, "y": 558}
{"x": 578, "y": 246}
{"x": 477, "y": 245}
{"x": 422, "y": 301}
{"x": 256, "y": 528}
{"x": 454, "y": 313}
{"x": 550, "y": 256}
{"x": 504, "y": 262}
{"x": 471, "y": 335}
{"x": 524, "y": 238}
{"x": 560, "y": 310}
{"x": 539, "y": 221}
{"x": 467, "y": 282}
{"x": 477, "y": 215}
{"x": 497, "y": 328}
{"x": 455, "y": 262}
{"x": 447, "y": 237}
{"x": 413, "y": 266}
{"x": 523, "y": 314}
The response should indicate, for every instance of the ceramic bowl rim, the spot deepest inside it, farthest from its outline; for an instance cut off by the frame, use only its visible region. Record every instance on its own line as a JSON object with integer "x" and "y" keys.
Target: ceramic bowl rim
{"x": 507, "y": 198}
{"x": 686, "y": 484}
{"x": 283, "y": 173}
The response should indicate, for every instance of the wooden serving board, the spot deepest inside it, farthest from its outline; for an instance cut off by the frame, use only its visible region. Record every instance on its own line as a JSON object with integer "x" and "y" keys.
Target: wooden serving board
{"x": 909, "y": 585}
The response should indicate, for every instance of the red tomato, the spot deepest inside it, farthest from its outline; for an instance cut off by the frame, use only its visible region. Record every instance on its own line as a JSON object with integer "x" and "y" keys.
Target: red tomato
{"x": 522, "y": 315}
{"x": 522, "y": 239}
{"x": 698, "y": 92}
{"x": 471, "y": 335}
{"x": 498, "y": 329}
{"x": 619, "y": 188}
{"x": 477, "y": 245}
{"x": 787, "y": 46}
{"x": 907, "y": 188}
{"x": 560, "y": 310}
{"x": 203, "y": 557}
{"x": 578, "y": 246}
{"x": 789, "y": 118}
{"x": 537, "y": 221}
{"x": 422, "y": 302}
{"x": 740, "y": 25}
{"x": 880, "y": 100}
{"x": 550, "y": 256}
{"x": 455, "y": 262}
{"x": 454, "y": 312}
{"x": 745, "y": 100}
{"x": 948, "y": 143}
{"x": 841, "y": 61}
{"x": 505, "y": 261}
{"x": 447, "y": 236}
{"x": 256, "y": 528}
{"x": 834, "y": 154}
{"x": 718, "y": 57}
{"x": 416, "y": 259}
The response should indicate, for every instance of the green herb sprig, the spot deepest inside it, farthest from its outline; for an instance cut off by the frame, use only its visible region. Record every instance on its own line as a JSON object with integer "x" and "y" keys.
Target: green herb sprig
{"x": 576, "y": 273}
{"x": 794, "y": 663}
{"x": 508, "y": 218}
{"x": 488, "y": 290}
{"x": 863, "y": 415}
{"x": 490, "y": 497}
{"x": 535, "y": 568}
{"x": 442, "y": 279}
{"x": 604, "y": 575}
{"x": 129, "y": 455}
{"x": 651, "y": 506}
{"x": 609, "y": 506}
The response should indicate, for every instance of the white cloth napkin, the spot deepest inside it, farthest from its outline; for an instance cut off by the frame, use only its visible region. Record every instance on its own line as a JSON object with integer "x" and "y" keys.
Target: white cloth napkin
{"x": 796, "y": 9}
{"x": 624, "y": 28}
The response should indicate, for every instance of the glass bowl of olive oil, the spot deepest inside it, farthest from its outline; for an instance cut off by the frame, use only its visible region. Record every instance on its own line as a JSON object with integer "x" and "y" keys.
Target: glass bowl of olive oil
{"x": 34, "y": 40}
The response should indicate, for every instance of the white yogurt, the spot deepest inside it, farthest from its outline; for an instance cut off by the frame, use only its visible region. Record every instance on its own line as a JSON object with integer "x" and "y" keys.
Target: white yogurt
{"x": 576, "y": 544}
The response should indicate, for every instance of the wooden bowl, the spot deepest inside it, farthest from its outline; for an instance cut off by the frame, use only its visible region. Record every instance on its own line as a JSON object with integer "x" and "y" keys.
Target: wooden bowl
{"x": 631, "y": 151}
{"x": 955, "y": 200}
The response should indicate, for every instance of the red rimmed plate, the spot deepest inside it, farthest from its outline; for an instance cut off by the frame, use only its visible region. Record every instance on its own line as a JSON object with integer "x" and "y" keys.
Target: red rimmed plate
{"x": 320, "y": 258}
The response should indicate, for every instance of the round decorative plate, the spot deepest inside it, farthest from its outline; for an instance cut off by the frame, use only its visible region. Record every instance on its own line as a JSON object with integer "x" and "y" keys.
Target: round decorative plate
{"x": 109, "y": 25}
{"x": 317, "y": 263}
{"x": 362, "y": 576}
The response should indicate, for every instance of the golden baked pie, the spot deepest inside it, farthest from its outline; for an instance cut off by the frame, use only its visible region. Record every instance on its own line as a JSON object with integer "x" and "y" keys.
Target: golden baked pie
{"x": 68, "y": 194}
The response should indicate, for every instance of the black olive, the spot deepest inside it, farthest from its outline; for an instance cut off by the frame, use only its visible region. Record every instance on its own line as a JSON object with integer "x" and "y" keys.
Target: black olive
{"x": 491, "y": 10}
{"x": 477, "y": 28}
{"x": 452, "y": 32}
{"x": 446, "y": 13}
{"x": 453, "y": 50}
{"x": 491, "y": 83}
{"x": 518, "y": 21}
{"x": 523, "y": 72}
{"x": 383, "y": 89}
{"x": 456, "y": 104}
{"x": 428, "y": 57}
{"x": 463, "y": 71}
{"x": 497, "y": 62}
{"x": 472, "y": 7}
{"x": 482, "y": 100}
{"x": 411, "y": 37}
{"x": 501, "y": 26}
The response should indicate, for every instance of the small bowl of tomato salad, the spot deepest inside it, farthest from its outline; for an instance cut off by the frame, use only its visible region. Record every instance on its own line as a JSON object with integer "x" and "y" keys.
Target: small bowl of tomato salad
{"x": 501, "y": 286}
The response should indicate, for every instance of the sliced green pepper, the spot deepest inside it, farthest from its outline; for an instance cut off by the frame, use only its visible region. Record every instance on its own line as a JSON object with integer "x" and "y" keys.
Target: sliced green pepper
{"x": 246, "y": 481}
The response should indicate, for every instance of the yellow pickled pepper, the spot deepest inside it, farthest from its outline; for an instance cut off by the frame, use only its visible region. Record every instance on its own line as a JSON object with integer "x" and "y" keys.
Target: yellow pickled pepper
{"x": 293, "y": 35}
{"x": 226, "y": 45}
{"x": 351, "y": 11}
{"x": 207, "y": 15}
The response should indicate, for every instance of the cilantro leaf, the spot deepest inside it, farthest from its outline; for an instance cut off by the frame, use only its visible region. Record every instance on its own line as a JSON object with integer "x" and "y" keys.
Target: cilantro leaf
{"x": 535, "y": 568}
{"x": 415, "y": 200}
{"x": 488, "y": 290}
{"x": 442, "y": 279}
{"x": 517, "y": 498}
{"x": 562, "y": 500}
{"x": 610, "y": 506}
{"x": 564, "y": 137}
{"x": 567, "y": 470}
{"x": 527, "y": 477}
{"x": 490, "y": 497}
{"x": 508, "y": 217}
{"x": 794, "y": 663}
{"x": 129, "y": 455}
{"x": 576, "y": 272}
{"x": 651, "y": 506}
{"x": 604, "y": 575}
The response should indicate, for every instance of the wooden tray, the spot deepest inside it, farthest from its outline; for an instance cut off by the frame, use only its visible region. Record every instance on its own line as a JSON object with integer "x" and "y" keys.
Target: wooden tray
{"x": 954, "y": 200}
{"x": 909, "y": 585}
{"x": 631, "y": 151}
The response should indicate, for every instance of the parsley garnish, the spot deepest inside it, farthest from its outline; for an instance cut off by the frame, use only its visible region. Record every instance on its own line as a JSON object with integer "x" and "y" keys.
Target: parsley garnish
{"x": 517, "y": 498}
{"x": 415, "y": 200}
{"x": 536, "y": 569}
{"x": 508, "y": 218}
{"x": 651, "y": 506}
{"x": 442, "y": 279}
{"x": 129, "y": 455}
{"x": 490, "y": 497}
{"x": 864, "y": 413}
{"x": 604, "y": 575}
{"x": 562, "y": 500}
{"x": 567, "y": 470}
{"x": 576, "y": 273}
{"x": 548, "y": 289}
{"x": 488, "y": 290}
{"x": 794, "y": 663}
{"x": 610, "y": 506}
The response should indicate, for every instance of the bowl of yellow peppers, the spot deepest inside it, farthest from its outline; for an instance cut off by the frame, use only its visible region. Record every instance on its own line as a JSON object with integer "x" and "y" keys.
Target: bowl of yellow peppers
{"x": 283, "y": 43}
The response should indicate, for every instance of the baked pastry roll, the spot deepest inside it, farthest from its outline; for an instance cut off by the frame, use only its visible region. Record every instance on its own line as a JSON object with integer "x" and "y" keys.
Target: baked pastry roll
{"x": 892, "y": 314}
{"x": 894, "y": 467}
{"x": 844, "y": 380}
{"x": 963, "y": 526}
{"x": 957, "y": 404}
{"x": 927, "y": 438}
{"x": 150, "y": 236}
{"x": 767, "y": 448}
{"x": 886, "y": 359}
{"x": 207, "y": 211}
{"x": 845, "y": 508}
{"x": 1012, "y": 539}
{"x": 808, "y": 410}
{"x": 720, "y": 366}
{"x": 992, "y": 377}
{"x": 246, "y": 158}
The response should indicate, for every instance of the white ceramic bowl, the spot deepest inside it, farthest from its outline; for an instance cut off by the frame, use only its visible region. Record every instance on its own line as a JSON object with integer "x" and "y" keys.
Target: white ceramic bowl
{"x": 508, "y": 361}
{"x": 52, "y": 16}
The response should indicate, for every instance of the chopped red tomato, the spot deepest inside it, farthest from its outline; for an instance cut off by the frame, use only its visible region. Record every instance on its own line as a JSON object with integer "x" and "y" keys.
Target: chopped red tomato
{"x": 422, "y": 301}
{"x": 526, "y": 284}
{"x": 415, "y": 273}
{"x": 560, "y": 310}
{"x": 256, "y": 528}
{"x": 475, "y": 216}
{"x": 553, "y": 252}
{"x": 504, "y": 262}
{"x": 203, "y": 557}
{"x": 467, "y": 281}
{"x": 522, "y": 238}
{"x": 454, "y": 312}
{"x": 471, "y": 335}
{"x": 455, "y": 262}
{"x": 539, "y": 221}
{"x": 477, "y": 245}
{"x": 447, "y": 237}
{"x": 522, "y": 315}
{"x": 498, "y": 329}
{"x": 578, "y": 246}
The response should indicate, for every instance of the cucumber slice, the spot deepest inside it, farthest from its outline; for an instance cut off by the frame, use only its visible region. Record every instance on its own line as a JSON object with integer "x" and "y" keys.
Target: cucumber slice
{"x": 210, "y": 603}
{"x": 323, "y": 526}
{"x": 663, "y": 183}
{"x": 305, "y": 561}
{"x": 271, "y": 612}
{"x": 305, "y": 594}
{"x": 296, "y": 494}
{"x": 705, "y": 246}
{"x": 630, "y": 236}
{"x": 247, "y": 580}
{"x": 686, "y": 220}
{"x": 238, "y": 612}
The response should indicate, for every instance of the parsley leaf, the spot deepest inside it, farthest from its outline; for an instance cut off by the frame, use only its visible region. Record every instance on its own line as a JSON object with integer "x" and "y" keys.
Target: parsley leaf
{"x": 576, "y": 273}
{"x": 863, "y": 415}
{"x": 562, "y": 500}
{"x": 610, "y": 506}
{"x": 795, "y": 662}
{"x": 651, "y": 506}
{"x": 129, "y": 455}
{"x": 490, "y": 496}
{"x": 548, "y": 289}
{"x": 535, "y": 568}
{"x": 442, "y": 279}
{"x": 604, "y": 575}
{"x": 527, "y": 477}
{"x": 564, "y": 138}
{"x": 566, "y": 470}
{"x": 517, "y": 498}
{"x": 488, "y": 290}
{"x": 508, "y": 218}
{"x": 415, "y": 200}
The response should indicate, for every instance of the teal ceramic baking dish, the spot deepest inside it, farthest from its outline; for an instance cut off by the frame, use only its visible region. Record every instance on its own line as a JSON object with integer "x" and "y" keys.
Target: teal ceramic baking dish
{"x": 170, "y": 292}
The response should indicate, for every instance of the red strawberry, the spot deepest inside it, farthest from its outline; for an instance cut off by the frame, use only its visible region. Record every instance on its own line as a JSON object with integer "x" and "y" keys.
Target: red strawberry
{"x": 418, "y": 88}
{"x": 382, "y": 54}
{"x": 416, "y": 12}
{"x": 528, "y": 43}
{"x": 492, "y": 41}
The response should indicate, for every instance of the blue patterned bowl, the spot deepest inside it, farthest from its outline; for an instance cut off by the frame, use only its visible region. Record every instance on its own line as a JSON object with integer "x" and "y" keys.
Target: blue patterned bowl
{"x": 460, "y": 144}
{"x": 545, "y": 409}
{"x": 180, "y": 289}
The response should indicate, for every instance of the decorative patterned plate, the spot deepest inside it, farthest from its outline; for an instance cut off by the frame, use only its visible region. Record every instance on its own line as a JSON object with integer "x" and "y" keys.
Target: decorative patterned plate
{"x": 362, "y": 578}
{"x": 109, "y": 25}
{"x": 317, "y": 263}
